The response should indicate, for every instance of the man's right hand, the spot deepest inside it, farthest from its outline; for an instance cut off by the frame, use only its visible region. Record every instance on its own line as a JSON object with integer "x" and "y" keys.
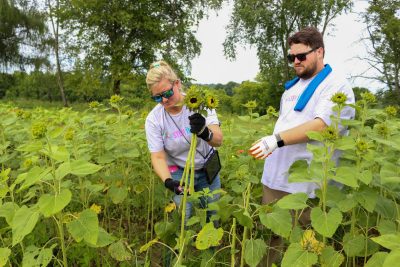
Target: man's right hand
{"x": 174, "y": 186}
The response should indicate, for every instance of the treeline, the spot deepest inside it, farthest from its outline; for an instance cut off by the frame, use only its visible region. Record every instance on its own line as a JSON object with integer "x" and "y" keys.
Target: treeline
{"x": 84, "y": 87}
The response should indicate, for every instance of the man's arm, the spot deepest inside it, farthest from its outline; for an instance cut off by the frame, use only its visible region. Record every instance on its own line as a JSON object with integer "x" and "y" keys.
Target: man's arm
{"x": 298, "y": 135}
{"x": 266, "y": 145}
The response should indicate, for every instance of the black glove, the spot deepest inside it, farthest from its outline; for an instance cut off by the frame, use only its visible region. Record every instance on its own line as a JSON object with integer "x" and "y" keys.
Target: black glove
{"x": 198, "y": 126}
{"x": 174, "y": 186}
{"x": 197, "y": 123}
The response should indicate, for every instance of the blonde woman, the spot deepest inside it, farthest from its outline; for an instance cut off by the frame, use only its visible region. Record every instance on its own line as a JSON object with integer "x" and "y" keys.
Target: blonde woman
{"x": 169, "y": 127}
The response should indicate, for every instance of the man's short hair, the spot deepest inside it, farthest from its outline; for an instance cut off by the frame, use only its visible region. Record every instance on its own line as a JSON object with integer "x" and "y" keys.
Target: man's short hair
{"x": 309, "y": 36}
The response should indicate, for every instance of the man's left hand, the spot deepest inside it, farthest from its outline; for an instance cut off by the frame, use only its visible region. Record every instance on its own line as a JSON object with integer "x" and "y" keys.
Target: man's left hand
{"x": 262, "y": 148}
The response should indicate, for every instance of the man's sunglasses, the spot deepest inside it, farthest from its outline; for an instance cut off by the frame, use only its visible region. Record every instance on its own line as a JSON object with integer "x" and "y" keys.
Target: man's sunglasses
{"x": 300, "y": 57}
{"x": 166, "y": 94}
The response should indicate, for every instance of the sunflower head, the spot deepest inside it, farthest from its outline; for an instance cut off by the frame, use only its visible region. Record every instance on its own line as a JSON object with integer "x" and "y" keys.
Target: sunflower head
{"x": 362, "y": 146}
{"x": 96, "y": 208}
{"x": 391, "y": 111}
{"x": 252, "y": 104}
{"x": 211, "y": 100}
{"x": 69, "y": 134}
{"x": 310, "y": 243}
{"x": 194, "y": 98}
{"x": 330, "y": 134}
{"x": 94, "y": 104}
{"x": 382, "y": 129}
{"x": 368, "y": 97}
{"x": 271, "y": 111}
{"x": 171, "y": 206}
{"x": 39, "y": 130}
{"x": 116, "y": 99}
{"x": 339, "y": 98}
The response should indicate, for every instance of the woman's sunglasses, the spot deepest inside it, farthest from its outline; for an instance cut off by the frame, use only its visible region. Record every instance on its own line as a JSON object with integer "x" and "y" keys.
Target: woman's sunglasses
{"x": 166, "y": 94}
{"x": 300, "y": 57}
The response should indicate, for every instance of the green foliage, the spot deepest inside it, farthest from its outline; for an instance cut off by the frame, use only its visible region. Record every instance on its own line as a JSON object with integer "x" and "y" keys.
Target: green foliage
{"x": 85, "y": 227}
{"x": 125, "y": 36}
{"x": 255, "y": 250}
{"x": 383, "y": 24}
{"x": 21, "y": 25}
{"x": 250, "y": 91}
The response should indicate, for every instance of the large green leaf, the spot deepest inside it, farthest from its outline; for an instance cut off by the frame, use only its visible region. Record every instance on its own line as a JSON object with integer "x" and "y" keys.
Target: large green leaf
{"x": 62, "y": 170}
{"x": 279, "y": 221}
{"x": 392, "y": 259}
{"x": 243, "y": 218}
{"x": 386, "y": 208}
{"x": 7, "y": 210}
{"x": 295, "y": 256}
{"x": 318, "y": 152}
{"x": 23, "y": 223}
{"x": 331, "y": 258}
{"x": 85, "y": 227}
{"x": 4, "y": 254}
{"x": 389, "y": 173}
{"x": 365, "y": 176}
{"x": 299, "y": 172}
{"x": 34, "y": 256}
{"x": 208, "y": 236}
{"x": 164, "y": 229}
{"x": 377, "y": 259}
{"x": 295, "y": 201}
{"x": 52, "y": 204}
{"x": 119, "y": 251}
{"x": 104, "y": 239}
{"x": 58, "y": 153}
{"x": 82, "y": 167}
{"x": 346, "y": 175}
{"x": 387, "y": 227}
{"x": 353, "y": 244}
{"x": 390, "y": 241}
{"x": 254, "y": 251}
{"x": 33, "y": 146}
{"x": 117, "y": 194}
{"x": 326, "y": 223}
{"x": 367, "y": 198}
{"x": 33, "y": 176}
{"x": 345, "y": 143}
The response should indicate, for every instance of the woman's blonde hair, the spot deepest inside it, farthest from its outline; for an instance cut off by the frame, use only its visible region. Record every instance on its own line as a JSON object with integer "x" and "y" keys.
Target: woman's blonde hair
{"x": 158, "y": 71}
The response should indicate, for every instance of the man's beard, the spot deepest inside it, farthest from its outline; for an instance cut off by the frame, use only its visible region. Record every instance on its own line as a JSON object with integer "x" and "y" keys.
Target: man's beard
{"x": 308, "y": 72}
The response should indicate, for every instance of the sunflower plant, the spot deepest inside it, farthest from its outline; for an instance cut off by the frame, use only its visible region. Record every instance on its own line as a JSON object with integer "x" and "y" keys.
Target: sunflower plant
{"x": 197, "y": 99}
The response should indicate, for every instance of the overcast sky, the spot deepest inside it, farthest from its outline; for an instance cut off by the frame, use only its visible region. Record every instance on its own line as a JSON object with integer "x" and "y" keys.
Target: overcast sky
{"x": 341, "y": 46}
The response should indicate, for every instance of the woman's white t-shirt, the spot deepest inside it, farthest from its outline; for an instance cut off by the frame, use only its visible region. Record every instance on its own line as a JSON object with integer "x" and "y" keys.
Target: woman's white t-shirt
{"x": 171, "y": 133}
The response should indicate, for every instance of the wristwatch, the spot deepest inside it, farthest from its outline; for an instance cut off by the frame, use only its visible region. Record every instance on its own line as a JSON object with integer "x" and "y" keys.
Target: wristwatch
{"x": 210, "y": 135}
{"x": 279, "y": 140}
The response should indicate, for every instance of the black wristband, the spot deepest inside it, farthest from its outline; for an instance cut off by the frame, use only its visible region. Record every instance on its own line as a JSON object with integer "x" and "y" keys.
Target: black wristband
{"x": 206, "y": 134}
{"x": 279, "y": 140}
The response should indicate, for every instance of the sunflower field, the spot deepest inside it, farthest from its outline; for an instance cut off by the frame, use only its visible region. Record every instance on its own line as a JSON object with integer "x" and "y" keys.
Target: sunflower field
{"x": 77, "y": 189}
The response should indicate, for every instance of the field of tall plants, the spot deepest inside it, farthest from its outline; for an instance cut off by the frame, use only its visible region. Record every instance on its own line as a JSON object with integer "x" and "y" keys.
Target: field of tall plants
{"x": 78, "y": 189}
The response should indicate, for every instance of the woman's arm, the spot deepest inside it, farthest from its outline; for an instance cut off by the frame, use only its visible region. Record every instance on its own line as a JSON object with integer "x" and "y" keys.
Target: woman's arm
{"x": 217, "y": 138}
{"x": 159, "y": 162}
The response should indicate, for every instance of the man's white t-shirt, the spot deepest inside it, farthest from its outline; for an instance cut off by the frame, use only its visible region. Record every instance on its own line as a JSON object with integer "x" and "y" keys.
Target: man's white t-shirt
{"x": 171, "y": 133}
{"x": 276, "y": 166}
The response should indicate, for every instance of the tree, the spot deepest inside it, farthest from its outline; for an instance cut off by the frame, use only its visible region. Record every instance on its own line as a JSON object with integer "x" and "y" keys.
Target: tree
{"x": 53, "y": 8}
{"x": 250, "y": 91}
{"x": 126, "y": 36}
{"x": 21, "y": 26}
{"x": 266, "y": 24}
{"x": 383, "y": 49}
